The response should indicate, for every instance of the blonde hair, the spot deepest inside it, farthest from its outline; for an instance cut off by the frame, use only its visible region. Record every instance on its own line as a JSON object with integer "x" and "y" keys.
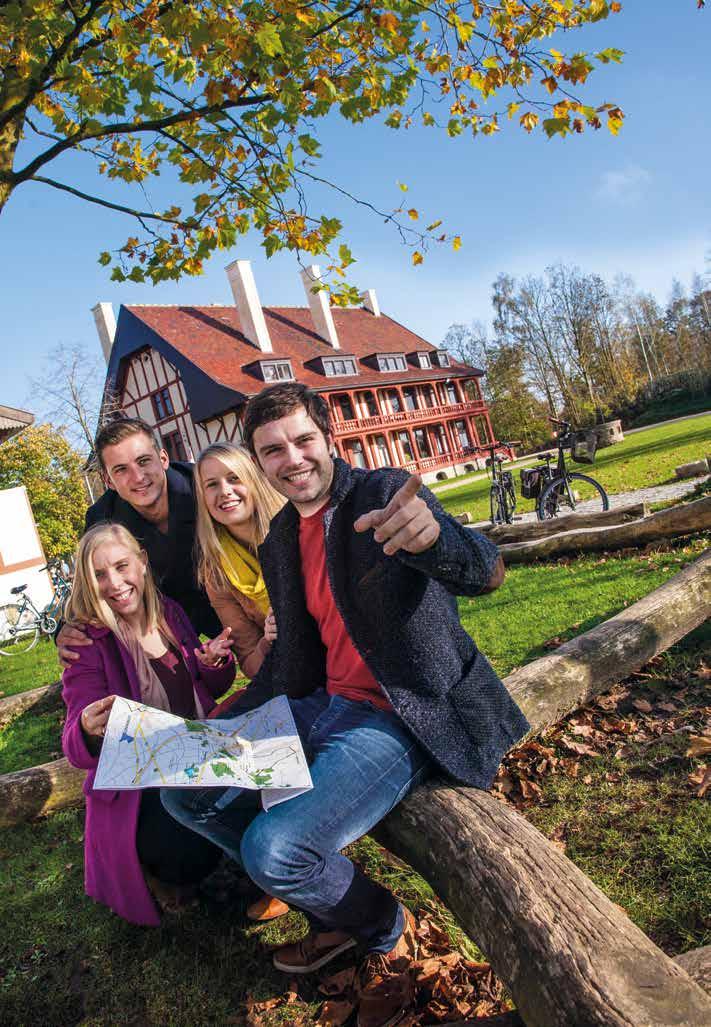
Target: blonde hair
{"x": 267, "y": 502}
{"x": 86, "y": 606}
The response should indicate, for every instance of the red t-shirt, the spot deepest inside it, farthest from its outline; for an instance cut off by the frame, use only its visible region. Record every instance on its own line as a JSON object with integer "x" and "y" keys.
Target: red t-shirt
{"x": 346, "y": 673}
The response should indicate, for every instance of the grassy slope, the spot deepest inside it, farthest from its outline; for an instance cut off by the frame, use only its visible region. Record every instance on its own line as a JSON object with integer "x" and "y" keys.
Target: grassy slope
{"x": 643, "y": 459}
{"x": 31, "y": 670}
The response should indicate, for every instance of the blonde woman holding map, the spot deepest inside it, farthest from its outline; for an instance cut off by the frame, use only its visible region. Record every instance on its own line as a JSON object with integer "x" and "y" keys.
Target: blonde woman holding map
{"x": 235, "y": 504}
{"x": 145, "y": 649}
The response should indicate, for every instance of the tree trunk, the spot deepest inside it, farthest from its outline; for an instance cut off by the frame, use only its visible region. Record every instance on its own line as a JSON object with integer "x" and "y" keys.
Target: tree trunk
{"x": 686, "y": 519}
{"x": 9, "y": 139}
{"x": 553, "y": 686}
{"x": 39, "y": 700}
{"x": 697, "y": 964}
{"x": 525, "y": 531}
{"x": 568, "y": 955}
{"x": 39, "y": 790}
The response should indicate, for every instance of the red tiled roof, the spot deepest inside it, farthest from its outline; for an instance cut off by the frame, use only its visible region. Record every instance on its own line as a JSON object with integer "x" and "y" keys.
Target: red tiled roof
{"x": 211, "y": 339}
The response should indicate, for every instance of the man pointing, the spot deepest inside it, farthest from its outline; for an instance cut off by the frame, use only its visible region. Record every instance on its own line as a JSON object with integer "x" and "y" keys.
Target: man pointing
{"x": 386, "y": 687}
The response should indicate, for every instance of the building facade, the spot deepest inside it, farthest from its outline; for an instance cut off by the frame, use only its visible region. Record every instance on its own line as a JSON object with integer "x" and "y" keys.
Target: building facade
{"x": 395, "y": 399}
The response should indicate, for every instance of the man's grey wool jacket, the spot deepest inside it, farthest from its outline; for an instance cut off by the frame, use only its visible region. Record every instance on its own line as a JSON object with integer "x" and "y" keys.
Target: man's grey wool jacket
{"x": 401, "y": 615}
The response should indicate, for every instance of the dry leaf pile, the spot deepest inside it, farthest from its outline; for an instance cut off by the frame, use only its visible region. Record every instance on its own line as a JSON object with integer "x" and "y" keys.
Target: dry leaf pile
{"x": 620, "y": 723}
{"x": 447, "y": 987}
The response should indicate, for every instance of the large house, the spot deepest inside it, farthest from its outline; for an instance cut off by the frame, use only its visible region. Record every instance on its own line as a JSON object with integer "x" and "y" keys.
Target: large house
{"x": 395, "y": 399}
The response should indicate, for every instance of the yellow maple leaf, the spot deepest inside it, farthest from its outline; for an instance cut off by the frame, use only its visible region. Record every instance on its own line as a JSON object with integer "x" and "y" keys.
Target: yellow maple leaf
{"x": 417, "y": 258}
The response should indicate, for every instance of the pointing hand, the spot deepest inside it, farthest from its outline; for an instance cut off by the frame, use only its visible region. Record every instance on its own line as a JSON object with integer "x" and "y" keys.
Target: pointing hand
{"x": 405, "y": 523}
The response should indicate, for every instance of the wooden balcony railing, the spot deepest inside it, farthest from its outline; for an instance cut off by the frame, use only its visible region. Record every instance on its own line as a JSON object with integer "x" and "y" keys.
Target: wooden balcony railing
{"x": 406, "y": 417}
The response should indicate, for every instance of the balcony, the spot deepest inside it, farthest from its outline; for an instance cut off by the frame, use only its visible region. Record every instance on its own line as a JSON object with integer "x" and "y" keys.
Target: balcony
{"x": 406, "y": 418}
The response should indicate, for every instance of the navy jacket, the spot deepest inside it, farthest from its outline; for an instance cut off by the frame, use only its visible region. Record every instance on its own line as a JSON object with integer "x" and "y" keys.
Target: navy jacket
{"x": 170, "y": 555}
{"x": 402, "y": 617}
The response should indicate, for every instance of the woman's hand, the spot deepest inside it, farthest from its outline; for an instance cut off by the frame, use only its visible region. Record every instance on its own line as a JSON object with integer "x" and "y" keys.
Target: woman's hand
{"x": 215, "y": 652}
{"x": 270, "y": 628}
{"x": 94, "y": 717}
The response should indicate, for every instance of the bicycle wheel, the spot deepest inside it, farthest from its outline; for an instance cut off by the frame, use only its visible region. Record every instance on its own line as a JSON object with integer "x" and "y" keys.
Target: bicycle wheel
{"x": 19, "y": 630}
{"x": 573, "y": 492}
{"x": 510, "y": 500}
{"x": 495, "y": 505}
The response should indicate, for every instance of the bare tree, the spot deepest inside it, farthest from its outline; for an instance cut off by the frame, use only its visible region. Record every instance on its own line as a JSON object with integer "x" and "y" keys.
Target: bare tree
{"x": 69, "y": 393}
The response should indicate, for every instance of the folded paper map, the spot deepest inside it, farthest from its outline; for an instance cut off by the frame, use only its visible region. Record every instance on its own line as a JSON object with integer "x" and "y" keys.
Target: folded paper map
{"x": 148, "y": 748}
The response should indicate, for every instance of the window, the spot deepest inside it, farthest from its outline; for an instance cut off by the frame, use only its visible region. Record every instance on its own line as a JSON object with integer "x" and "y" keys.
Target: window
{"x": 422, "y": 442}
{"x": 461, "y": 430}
{"x": 368, "y": 400}
{"x": 395, "y": 404}
{"x": 277, "y": 371}
{"x": 346, "y": 408}
{"x": 440, "y": 358}
{"x": 173, "y": 445}
{"x": 424, "y": 360}
{"x": 452, "y": 393}
{"x": 441, "y": 441}
{"x": 391, "y": 362}
{"x": 381, "y": 448}
{"x": 162, "y": 404}
{"x": 333, "y": 367}
{"x": 405, "y": 445}
{"x": 355, "y": 453}
{"x": 410, "y": 398}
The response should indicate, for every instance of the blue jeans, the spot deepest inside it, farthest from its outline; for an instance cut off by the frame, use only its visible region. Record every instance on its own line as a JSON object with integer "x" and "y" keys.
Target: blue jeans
{"x": 363, "y": 761}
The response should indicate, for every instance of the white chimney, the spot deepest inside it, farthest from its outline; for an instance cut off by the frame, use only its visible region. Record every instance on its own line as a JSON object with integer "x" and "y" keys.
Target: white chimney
{"x": 320, "y": 307}
{"x": 251, "y": 315}
{"x": 106, "y": 326}
{"x": 370, "y": 302}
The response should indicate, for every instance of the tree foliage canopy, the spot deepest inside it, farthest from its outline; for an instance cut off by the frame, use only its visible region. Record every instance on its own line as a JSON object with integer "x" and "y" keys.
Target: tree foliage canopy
{"x": 42, "y": 460}
{"x": 223, "y": 96}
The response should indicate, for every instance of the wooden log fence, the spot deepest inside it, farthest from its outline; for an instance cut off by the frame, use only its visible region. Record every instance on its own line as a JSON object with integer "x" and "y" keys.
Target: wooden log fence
{"x": 525, "y": 531}
{"x": 568, "y": 955}
{"x": 687, "y": 519}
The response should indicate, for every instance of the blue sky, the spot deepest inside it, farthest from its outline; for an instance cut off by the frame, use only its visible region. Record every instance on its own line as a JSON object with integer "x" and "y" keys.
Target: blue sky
{"x": 637, "y": 204}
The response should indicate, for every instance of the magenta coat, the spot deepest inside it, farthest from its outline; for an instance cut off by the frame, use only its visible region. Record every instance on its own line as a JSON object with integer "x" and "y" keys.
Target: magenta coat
{"x": 112, "y": 871}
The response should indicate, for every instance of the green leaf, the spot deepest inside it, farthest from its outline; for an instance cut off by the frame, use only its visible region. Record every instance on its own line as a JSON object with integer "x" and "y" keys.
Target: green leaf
{"x": 268, "y": 40}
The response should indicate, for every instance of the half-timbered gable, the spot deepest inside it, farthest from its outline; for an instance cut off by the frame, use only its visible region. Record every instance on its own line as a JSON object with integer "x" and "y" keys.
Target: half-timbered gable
{"x": 395, "y": 399}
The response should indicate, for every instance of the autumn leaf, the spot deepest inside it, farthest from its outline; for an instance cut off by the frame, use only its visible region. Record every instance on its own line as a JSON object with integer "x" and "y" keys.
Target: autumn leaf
{"x": 699, "y": 745}
{"x": 417, "y": 258}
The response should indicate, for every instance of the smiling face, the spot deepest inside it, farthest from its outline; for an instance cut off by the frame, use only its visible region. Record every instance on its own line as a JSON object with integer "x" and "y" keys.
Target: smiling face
{"x": 228, "y": 500}
{"x": 121, "y": 578}
{"x": 136, "y": 470}
{"x": 295, "y": 456}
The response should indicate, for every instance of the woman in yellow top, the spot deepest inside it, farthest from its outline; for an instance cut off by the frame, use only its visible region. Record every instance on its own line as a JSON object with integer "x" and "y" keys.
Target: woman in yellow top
{"x": 235, "y": 504}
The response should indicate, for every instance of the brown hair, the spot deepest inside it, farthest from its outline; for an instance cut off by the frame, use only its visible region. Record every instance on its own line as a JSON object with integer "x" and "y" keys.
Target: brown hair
{"x": 278, "y": 401}
{"x": 267, "y": 503}
{"x": 113, "y": 432}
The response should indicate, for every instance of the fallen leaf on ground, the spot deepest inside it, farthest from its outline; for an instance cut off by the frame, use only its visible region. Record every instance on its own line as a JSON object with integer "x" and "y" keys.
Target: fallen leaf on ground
{"x": 335, "y": 1012}
{"x": 699, "y": 745}
{"x": 701, "y": 780}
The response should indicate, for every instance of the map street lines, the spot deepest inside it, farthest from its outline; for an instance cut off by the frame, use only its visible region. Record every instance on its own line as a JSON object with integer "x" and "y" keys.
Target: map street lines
{"x": 147, "y": 748}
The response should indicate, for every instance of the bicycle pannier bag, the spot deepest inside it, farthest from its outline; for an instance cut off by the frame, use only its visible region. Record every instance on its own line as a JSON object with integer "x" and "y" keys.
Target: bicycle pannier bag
{"x": 531, "y": 481}
{"x": 584, "y": 446}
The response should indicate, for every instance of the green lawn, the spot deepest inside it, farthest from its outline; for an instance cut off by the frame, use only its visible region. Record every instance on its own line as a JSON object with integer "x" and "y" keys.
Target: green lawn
{"x": 643, "y": 459}
{"x": 31, "y": 670}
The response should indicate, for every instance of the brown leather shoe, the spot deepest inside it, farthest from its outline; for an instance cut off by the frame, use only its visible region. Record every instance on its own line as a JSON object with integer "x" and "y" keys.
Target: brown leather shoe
{"x": 266, "y": 907}
{"x": 386, "y": 989}
{"x": 312, "y": 952}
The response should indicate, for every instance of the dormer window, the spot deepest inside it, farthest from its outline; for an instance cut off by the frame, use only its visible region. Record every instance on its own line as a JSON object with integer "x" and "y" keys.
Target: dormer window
{"x": 276, "y": 370}
{"x": 391, "y": 361}
{"x": 440, "y": 358}
{"x": 420, "y": 358}
{"x": 333, "y": 367}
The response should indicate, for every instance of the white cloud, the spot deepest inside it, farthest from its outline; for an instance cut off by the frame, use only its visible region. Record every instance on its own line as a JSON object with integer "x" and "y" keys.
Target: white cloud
{"x": 623, "y": 185}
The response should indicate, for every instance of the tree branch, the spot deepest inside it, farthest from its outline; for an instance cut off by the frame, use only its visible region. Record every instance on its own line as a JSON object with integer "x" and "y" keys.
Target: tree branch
{"x": 140, "y": 214}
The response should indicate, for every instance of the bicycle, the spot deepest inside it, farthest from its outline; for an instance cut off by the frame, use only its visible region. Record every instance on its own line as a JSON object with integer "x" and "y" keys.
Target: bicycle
{"x": 22, "y": 624}
{"x": 560, "y": 489}
{"x": 502, "y": 494}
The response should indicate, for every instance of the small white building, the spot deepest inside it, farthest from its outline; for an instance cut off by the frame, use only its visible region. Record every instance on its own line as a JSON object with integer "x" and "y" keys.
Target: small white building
{"x": 21, "y": 555}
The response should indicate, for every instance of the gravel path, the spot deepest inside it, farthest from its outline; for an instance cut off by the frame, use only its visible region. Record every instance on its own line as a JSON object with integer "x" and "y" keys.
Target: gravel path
{"x": 654, "y": 494}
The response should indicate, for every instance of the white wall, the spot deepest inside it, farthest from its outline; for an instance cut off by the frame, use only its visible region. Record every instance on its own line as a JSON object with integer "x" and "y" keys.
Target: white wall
{"x": 20, "y": 544}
